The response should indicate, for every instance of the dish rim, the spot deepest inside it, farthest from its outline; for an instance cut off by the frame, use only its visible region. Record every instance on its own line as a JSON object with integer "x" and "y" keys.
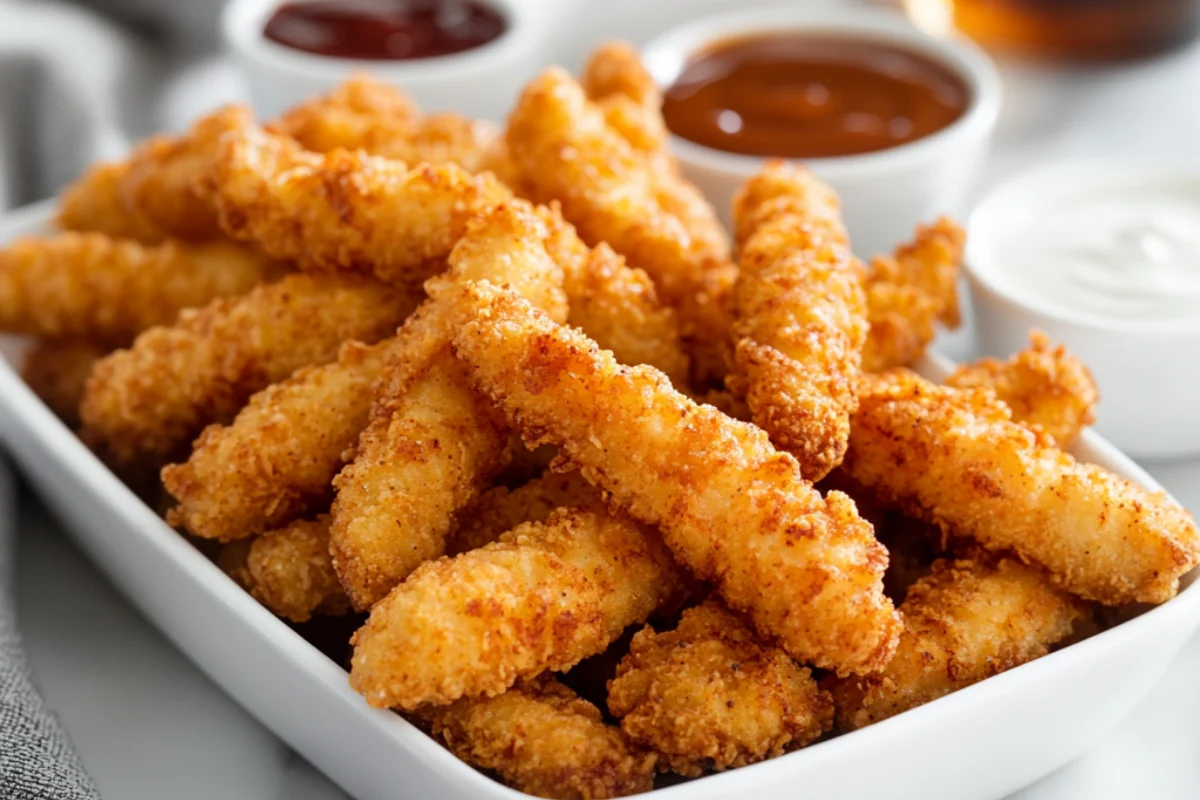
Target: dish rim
{"x": 148, "y": 529}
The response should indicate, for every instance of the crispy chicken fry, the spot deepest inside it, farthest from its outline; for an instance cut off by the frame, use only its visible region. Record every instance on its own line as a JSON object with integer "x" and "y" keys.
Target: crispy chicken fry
{"x": 432, "y": 442}
{"x": 543, "y": 739}
{"x": 1041, "y": 385}
{"x": 289, "y": 571}
{"x": 968, "y": 620}
{"x": 563, "y": 149}
{"x": 542, "y": 598}
{"x": 955, "y": 458}
{"x": 615, "y": 79}
{"x": 501, "y": 509}
{"x": 709, "y": 695}
{"x": 909, "y": 292}
{"x": 95, "y": 203}
{"x": 57, "y": 371}
{"x": 147, "y": 402}
{"x": 801, "y": 317}
{"x": 807, "y": 570}
{"x": 88, "y": 285}
{"x": 344, "y": 210}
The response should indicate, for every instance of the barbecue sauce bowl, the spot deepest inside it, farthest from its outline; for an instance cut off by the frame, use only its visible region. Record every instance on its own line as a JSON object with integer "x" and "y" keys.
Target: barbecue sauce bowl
{"x": 472, "y": 58}
{"x": 898, "y": 122}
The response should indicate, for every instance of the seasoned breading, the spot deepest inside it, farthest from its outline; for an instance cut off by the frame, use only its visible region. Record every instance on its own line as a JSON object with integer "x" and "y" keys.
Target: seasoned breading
{"x": 344, "y": 210}
{"x": 94, "y": 203}
{"x": 968, "y": 620}
{"x": 564, "y": 150}
{"x": 276, "y": 461}
{"x": 909, "y": 292}
{"x": 615, "y": 79}
{"x": 147, "y": 402}
{"x": 57, "y": 371}
{"x": 542, "y": 598}
{"x": 807, "y": 570}
{"x": 543, "y": 739}
{"x": 364, "y": 114}
{"x": 1041, "y": 385}
{"x": 163, "y": 172}
{"x": 954, "y": 457}
{"x": 709, "y": 695}
{"x": 500, "y": 509}
{"x": 88, "y": 285}
{"x": 289, "y": 571}
{"x": 800, "y": 315}
{"x": 432, "y": 442}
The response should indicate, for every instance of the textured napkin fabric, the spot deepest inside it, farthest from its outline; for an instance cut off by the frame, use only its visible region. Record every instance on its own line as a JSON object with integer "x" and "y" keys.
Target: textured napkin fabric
{"x": 36, "y": 759}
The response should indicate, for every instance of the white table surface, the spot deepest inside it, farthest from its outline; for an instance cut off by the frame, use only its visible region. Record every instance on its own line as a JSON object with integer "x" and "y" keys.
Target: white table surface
{"x": 148, "y": 725}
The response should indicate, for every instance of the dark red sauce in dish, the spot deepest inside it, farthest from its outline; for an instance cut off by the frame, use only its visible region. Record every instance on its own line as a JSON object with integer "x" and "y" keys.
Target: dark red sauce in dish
{"x": 385, "y": 30}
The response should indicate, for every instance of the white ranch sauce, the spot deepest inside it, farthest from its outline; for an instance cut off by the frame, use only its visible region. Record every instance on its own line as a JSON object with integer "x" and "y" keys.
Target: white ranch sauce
{"x": 1130, "y": 251}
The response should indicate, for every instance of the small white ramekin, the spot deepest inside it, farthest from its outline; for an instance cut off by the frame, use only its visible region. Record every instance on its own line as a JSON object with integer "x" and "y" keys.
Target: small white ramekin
{"x": 1148, "y": 371}
{"x": 482, "y": 82}
{"x": 886, "y": 193}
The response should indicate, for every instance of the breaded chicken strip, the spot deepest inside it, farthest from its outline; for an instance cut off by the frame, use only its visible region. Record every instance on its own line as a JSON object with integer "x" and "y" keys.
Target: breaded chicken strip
{"x": 709, "y": 695}
{"x": 1042, "y": 385}
{"x": 289, "y": 571}
{"x": 88, "y": 285}
{"x": 433, "y": 443}
{"x": 543, "y": 739}
{"x": 344, "y": 210}
{"x": 95, "y": 203}
{"x": 545, "y": 596}
{"x": 955, "y": 458}
{"x": 616, "y": 80}
{"x": 968, "y": 620}
{"x": 800, "y": 315}
{"x": 163, "y": 172}
{"x": 500, "y": 509}
{"x": 149, "y": 401}
{"x": 806, "y": 569}
{"x": 57, "y": 371}
{"x": 909, "y": 292}
{"x": 563, "y": 149}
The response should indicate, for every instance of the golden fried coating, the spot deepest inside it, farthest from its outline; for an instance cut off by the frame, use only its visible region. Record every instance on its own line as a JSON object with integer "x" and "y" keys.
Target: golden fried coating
{"x": 500, "y": 509}
{"x": 563, "y": 149}
{"x": 147, "y": 402}
{"x": 968, "y": 620}
{"x": 615, "y": 79}
{"x": 95, "y": 203}
{"x": 807, "y": 570}
{"x": 88, "y": 285}
{"x": 543, "y": 739}
{"x": 289, "y": 571}
{"x": 358, "y": 114}
{"x": 801, "y": 317}
{"x": 909, "y": 292}
{"x": 1043, "y": 386}
{"x": 364, "y": 114}
{"x": 432, "y": 442}
{"x": 954, "y": 457}
{"x": 163, "y": 172}
{"x": 276, "y": 460}
{"x": 57, "y": 371}
{"x": 709, "y": 695}
{"x": 344, "y": 210}
{"x": 545, "y": 596}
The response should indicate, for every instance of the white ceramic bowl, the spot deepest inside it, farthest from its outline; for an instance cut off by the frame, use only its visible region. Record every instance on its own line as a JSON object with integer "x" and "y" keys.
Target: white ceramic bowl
{"x": 1148, "y": 371}
{"x": 480, "y": 83}
{"x": 982, "y": 742}
{"x": 886, "y": 193}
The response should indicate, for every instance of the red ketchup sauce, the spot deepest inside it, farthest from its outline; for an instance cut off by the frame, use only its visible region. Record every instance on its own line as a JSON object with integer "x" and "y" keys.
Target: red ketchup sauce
{"x": 385, "y": 30}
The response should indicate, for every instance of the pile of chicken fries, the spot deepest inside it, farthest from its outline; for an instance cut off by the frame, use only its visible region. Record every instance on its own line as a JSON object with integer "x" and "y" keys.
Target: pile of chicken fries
{"x": 513, "y": 399}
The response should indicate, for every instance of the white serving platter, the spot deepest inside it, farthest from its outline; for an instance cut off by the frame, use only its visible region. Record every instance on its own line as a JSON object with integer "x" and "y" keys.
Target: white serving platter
{"x": 982, "y": 742}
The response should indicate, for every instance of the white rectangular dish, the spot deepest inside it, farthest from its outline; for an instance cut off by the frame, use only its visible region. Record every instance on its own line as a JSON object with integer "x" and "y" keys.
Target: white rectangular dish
{"x": 982, "y": 742}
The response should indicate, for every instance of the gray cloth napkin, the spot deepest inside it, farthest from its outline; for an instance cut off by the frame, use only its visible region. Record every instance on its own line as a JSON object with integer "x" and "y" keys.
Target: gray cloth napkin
{"x": 36, "y": 759}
